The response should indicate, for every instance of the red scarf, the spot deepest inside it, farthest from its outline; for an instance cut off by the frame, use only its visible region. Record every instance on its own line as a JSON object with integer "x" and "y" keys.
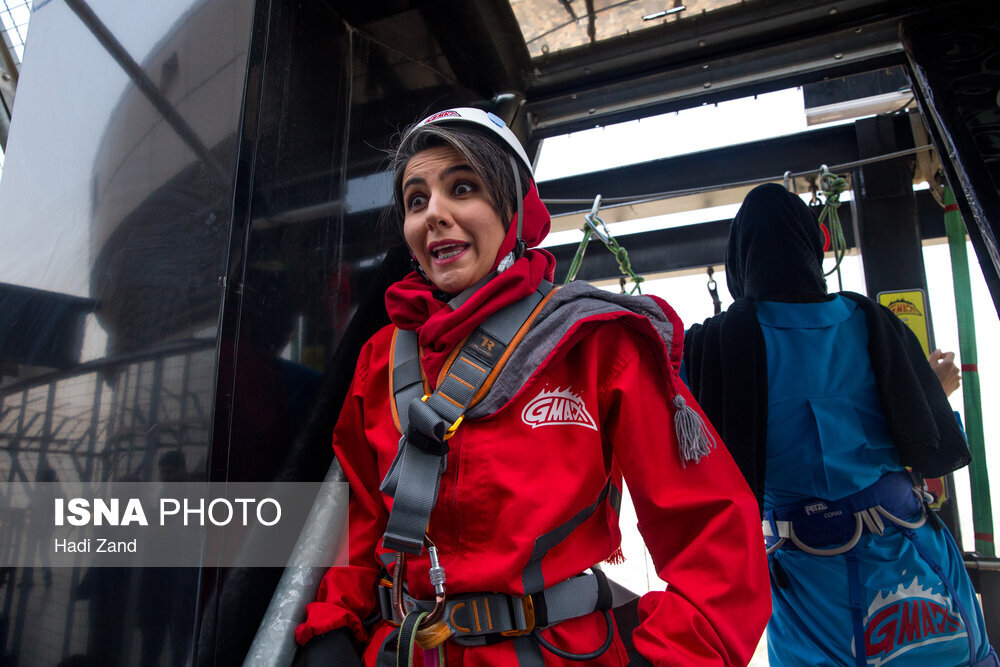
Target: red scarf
{"x": 411, "y": 303}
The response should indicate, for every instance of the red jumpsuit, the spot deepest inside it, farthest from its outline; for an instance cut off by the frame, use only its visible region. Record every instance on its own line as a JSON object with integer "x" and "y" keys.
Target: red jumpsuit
{"x": 597, "y": 407}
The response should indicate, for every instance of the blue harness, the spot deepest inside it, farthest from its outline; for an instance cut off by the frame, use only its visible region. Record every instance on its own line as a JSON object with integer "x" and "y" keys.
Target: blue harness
{"x": 832, "y": 528}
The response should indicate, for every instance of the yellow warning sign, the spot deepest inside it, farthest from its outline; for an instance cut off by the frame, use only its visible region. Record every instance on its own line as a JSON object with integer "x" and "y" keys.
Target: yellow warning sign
{"x": 911, "y": 307}
{"x": 939, "y": 490}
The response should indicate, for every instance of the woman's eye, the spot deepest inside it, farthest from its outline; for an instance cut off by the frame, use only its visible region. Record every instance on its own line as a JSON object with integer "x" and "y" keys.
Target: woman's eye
{"x": 415, "y": 201}
{"x": 463, "y": 189}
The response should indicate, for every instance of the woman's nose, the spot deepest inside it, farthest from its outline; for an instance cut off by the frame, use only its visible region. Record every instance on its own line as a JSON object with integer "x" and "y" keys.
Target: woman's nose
{"x": 437, "y": 213}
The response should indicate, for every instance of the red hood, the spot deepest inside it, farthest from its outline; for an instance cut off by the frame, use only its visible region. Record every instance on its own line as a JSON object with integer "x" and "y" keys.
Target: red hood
{"x": 536, "y": 225}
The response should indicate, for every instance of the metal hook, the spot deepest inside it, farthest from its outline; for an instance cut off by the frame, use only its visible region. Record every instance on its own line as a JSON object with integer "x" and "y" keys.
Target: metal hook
{"x": 602, "y": 231}
{"x": 786, "y": 179}
{"x": 825, "y": 176}
{"x": 713, "y": 290}
{"x": 596, "y": 207}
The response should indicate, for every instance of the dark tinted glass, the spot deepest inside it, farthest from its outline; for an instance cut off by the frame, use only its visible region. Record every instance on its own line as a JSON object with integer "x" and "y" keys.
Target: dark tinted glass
{"x": 116, "y": 199}
{"x": 193, "y": 254}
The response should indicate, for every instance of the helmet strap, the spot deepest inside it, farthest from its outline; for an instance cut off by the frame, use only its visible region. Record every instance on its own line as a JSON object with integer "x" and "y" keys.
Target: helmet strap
{"x": 415, "y": 266}
{"x": 520, "y": 245}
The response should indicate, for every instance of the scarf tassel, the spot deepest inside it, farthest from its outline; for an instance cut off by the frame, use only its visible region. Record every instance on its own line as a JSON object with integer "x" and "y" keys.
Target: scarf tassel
{"x": 693, "y": 437}
{"x": 617, "y": 558}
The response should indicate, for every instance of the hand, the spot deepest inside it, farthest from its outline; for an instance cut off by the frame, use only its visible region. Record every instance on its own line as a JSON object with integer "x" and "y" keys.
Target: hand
{"x": 947, "y": 373}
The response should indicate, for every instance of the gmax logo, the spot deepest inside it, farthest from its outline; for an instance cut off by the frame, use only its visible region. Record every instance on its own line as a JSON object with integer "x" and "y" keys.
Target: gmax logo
{"x": 908, "y": 618}
{"x": 556, "y": 408}
{"x": 442, "y": 114}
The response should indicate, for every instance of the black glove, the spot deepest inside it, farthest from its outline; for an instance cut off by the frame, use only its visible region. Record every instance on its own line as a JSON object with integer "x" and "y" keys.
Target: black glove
{"x": 333, "y": 648}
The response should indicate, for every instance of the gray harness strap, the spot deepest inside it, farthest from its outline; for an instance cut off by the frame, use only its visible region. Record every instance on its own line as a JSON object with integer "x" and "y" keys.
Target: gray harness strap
{"x": 532, "y": 578}
{"x": 428, "y": 422}
{"x": 407, "y": 383}
{"x": 472, "y": 618}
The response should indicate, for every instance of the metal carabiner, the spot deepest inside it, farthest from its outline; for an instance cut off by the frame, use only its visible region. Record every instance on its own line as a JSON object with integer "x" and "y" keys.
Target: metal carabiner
{"x": 396, "y": 593}
{"x": 437, "y": 577}
{"x": 713, "y": 290}
{"x": 602, "y": 231}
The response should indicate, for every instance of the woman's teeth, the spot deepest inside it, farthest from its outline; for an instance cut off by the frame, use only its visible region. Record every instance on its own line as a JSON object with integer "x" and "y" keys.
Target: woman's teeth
{"x": 448, "y": 251}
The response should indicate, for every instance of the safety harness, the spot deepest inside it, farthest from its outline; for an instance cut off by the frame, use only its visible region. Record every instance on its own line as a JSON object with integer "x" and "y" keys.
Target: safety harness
{"x": 427, "y": 422}
{"x": 805, "y": 525}
{"x": 486, "y": 618}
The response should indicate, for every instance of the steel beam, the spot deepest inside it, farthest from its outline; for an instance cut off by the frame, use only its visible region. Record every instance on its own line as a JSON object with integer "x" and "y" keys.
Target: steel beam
{"x": 949, "y": 57}
{"x": 890, "y": 241}
{"x": 717, "y": 169}
{"x": 727, "y": 53}
{"x": 702, "y": 245}
{"x": 710, "y": 170}
{"x": 640, "y": 93}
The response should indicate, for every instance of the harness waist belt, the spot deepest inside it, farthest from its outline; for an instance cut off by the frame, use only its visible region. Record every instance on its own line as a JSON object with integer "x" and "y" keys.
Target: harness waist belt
{"x": 485, "y": 618}
{"x": 817, "y": 522}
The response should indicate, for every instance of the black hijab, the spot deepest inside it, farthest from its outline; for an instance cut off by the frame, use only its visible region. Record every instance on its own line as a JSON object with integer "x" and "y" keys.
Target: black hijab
{"x": 775, "y": 250}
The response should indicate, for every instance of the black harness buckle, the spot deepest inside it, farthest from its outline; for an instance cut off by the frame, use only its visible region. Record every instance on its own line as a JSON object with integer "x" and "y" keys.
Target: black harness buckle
{"x": 427, "y": 444}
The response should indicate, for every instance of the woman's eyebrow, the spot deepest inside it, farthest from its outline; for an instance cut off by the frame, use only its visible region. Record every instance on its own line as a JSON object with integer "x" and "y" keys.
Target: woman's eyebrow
{"x": 443, "y": 174}
{"x": 413, "y": 180}
{"x": 448, "y": 171}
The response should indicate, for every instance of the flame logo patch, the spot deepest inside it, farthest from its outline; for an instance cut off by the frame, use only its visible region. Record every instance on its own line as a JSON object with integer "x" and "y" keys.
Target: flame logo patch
{"x": 907, "y": 618}
{"x": 557, "y": 408}
{"x": 903, "y": 307}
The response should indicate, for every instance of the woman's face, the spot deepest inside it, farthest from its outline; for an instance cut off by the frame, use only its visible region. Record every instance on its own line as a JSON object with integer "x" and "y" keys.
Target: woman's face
{"x": 449, "y": 221}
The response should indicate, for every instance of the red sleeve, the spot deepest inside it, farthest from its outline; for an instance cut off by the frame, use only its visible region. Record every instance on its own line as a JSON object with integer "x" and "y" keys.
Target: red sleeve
{"x": 699, "y": 521}
{"x": 347, "y": 594}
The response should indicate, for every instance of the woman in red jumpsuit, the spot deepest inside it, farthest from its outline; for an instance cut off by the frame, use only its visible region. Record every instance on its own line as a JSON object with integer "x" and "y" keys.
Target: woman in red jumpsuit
{"x": 527, "y": 500}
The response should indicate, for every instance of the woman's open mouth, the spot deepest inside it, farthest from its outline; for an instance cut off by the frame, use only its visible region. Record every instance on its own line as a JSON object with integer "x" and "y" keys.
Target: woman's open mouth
{"x": 443, "y": 252}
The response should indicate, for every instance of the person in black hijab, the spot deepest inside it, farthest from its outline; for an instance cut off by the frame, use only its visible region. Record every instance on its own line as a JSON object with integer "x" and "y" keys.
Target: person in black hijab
{"x": 775, "y": 249}
{"x": 823, "y": 400}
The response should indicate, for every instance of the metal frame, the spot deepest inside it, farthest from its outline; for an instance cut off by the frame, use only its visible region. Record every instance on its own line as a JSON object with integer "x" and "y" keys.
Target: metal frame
{"x": 735, "y": 51}
{"x": 9, "y": 75}
{"x": 702, "y": 245}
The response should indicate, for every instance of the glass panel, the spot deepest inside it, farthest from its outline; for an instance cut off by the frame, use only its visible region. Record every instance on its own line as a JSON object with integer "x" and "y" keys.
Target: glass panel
{"x": 116, "y": 203}
{"x": 318, "y": 256}
{"x": 550, "y": 26}
{"x": 14, "y": 18}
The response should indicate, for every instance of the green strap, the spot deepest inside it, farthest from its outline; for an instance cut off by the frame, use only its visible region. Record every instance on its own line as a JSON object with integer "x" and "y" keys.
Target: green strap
{"x": 408, "y": 638}
{"x": 591, "y": 228}
{"x": 831, "y": 187}
{"x": 982, "y": 509}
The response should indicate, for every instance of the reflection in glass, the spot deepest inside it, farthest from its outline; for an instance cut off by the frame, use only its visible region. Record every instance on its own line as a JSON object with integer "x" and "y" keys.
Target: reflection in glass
{"x": 117, "y": 200}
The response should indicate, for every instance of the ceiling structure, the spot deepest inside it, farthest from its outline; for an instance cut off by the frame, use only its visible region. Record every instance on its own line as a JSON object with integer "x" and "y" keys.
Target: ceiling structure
{"x": 708, "y": 52}
{"x": 555, "y": 67}
{"x": 582, "y": 64}
{"x": 570, "y": 65}
{"x": 550, "y": 27}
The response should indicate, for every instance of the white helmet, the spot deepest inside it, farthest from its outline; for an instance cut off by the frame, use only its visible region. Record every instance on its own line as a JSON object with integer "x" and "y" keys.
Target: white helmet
{"x": 483, "y": 119}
